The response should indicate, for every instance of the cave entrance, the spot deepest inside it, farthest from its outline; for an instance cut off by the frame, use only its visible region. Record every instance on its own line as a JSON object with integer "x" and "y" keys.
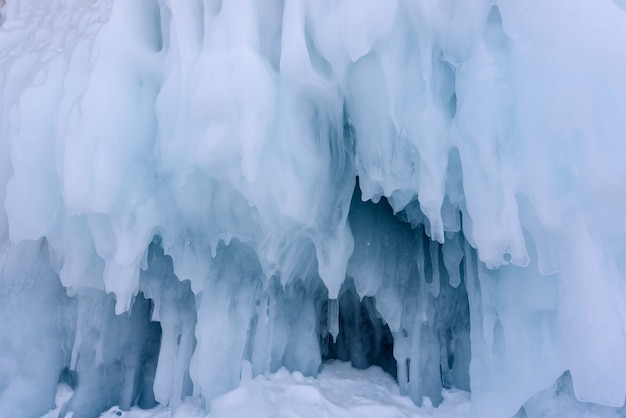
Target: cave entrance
{"x": 364, "y": 339}
{"x": 418, "y": 286}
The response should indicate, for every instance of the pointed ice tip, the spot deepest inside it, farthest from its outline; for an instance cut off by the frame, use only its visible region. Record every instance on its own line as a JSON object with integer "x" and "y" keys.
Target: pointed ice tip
{"x": 333, "y": 318}
{"x": 436, "y": 232}
{"x": 122, "y": 304}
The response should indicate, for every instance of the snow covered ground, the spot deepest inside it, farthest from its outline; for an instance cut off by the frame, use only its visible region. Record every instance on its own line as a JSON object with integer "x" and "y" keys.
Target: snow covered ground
{"x": 339, "y": 391}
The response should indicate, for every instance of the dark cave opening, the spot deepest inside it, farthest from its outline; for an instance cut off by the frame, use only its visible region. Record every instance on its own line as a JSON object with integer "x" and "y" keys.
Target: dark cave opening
{"x": 364, "y": 339}
{"x": 415, "y": 325}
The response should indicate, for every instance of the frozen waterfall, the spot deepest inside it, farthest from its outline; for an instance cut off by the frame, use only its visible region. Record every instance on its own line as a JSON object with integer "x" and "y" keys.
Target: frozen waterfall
{"x": 197, "y": 192}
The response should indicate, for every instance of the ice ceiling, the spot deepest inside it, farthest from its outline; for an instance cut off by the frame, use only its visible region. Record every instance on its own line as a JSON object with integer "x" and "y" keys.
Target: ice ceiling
{"x": 437, "y": 187}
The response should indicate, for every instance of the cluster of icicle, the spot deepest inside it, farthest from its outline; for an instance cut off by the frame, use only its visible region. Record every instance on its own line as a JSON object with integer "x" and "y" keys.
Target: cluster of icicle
{"x": 178, "y": 178}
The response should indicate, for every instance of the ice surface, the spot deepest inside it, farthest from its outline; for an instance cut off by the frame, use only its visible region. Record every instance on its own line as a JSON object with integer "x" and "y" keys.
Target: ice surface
{"x": 192, "y": 186}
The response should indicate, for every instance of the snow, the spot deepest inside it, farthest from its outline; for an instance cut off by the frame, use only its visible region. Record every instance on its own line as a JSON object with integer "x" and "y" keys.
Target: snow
{"x": 436, "y": 188}
{"x": 339, "y": 391}
{"x": 343, "y": 391}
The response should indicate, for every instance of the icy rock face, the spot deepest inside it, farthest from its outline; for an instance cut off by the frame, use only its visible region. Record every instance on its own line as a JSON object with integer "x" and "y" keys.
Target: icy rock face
{"x": 178, "y": 177}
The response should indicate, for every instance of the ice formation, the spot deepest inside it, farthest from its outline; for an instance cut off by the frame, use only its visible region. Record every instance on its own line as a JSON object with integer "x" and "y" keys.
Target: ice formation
{"x": 435, "y": 187}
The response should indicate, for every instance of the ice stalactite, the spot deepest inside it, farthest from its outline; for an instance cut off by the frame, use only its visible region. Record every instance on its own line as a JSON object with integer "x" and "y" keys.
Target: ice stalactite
{"x": 333, "y": 318}
{"x": 174, "y": 308}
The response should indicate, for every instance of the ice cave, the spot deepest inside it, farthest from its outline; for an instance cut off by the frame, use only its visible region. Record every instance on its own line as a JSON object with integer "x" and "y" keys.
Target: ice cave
{"x": 239, "y": 208}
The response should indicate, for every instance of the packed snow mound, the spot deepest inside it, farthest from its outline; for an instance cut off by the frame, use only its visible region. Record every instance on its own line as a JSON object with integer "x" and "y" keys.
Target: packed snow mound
{"x": 180, "y": 195}
{"x": 339, "y": 391}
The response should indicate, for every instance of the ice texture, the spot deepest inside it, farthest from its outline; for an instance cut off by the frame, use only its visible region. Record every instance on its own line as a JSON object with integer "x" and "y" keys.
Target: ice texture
{"x": 189, "y": 186}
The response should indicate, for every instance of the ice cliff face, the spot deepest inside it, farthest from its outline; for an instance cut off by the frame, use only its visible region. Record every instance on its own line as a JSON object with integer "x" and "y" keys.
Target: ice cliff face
{"x": 180, "y": 194}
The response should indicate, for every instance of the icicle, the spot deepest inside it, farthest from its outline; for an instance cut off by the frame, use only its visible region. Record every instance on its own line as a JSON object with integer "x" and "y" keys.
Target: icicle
{"x": 75, "y": 350}
{"x": 420, "y": 257}
{"x": 261, "y": 355}
{"x": 333, "y": 318}
{"x": 474, "y": 297}
{"x": 401, "y": 354}
{"x": 435, "y": 286}
{"x": 490, "y": 316}
{"x": 452, "y": 256}
{"x": 422, "y": 294}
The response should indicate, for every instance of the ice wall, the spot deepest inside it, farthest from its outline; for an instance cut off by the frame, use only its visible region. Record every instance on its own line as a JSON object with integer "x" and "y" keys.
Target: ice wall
{"x": 180, "y": 175}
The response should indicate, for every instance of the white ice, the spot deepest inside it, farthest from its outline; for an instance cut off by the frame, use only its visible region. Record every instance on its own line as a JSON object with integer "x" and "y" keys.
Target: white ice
{"x": 435, "y": 187}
